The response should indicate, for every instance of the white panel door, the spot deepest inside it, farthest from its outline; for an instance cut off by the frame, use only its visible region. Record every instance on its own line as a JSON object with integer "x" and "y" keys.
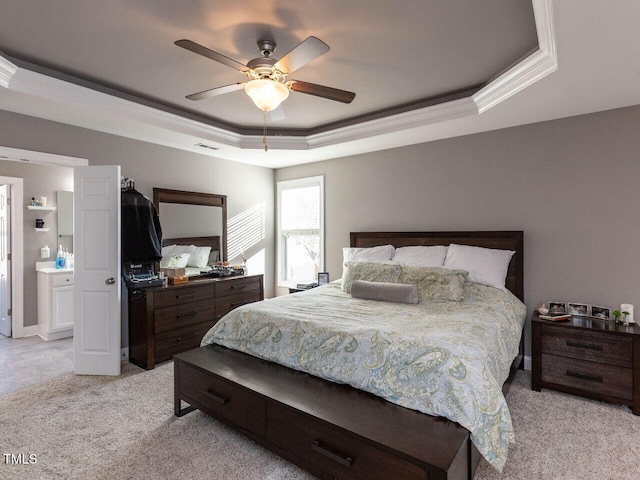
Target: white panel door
{"x": 5, "y": 284}
{"x": 96, "y": 225}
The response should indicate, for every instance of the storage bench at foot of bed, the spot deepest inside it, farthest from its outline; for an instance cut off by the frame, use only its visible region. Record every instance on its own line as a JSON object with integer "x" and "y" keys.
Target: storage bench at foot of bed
{"x": 330, "y": 430}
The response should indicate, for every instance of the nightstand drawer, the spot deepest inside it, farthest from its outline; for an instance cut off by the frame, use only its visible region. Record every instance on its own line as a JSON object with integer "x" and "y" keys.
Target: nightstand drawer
{"x": 591, "y": 377}
{"x": 592, "y": 346}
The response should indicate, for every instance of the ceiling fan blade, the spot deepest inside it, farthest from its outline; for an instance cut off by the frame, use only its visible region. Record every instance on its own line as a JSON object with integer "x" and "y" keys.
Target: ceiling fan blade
{"x": 216, "y": 91}
{"x": 303, "y": 53}
{"x": 277, "y": 114}
{"x": 210, "y": 54}
{"x": 322, "y": 91}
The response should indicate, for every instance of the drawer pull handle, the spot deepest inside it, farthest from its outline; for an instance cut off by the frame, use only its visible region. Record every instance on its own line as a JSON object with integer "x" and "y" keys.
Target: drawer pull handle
{"x": 589, "y": 346}
{"x": 237, "y": 304}
{"x": 179, "y": 339}
{"x": 186, "y": 295}
{"x": 238, "y": 286}
{"x": 217, "y": 398}
{"x": 188, "y": 314}
{"x": 584, "y": 376}
{"x": 336, "y": 457}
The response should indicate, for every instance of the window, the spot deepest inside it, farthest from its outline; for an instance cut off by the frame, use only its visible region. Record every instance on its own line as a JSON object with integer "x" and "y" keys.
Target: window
{"x": 300, "y": 230}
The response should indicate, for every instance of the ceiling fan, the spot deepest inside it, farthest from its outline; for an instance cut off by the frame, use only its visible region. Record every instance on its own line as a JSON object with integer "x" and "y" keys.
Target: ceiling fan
{"x": 267, "y": 83}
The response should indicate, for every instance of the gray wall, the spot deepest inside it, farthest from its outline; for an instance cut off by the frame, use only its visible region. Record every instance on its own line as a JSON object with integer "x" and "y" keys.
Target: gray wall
{"x": 570, "y": 184}
{"x": 246, "y": 187}
{"x": 38, "y": 181}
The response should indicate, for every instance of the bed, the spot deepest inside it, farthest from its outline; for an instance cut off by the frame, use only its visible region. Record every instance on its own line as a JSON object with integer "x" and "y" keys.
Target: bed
{"x": 312, "y": 420}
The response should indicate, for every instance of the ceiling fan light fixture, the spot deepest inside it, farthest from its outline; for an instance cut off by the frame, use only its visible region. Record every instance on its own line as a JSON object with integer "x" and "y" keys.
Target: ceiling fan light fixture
{"x": 266, "y": 94}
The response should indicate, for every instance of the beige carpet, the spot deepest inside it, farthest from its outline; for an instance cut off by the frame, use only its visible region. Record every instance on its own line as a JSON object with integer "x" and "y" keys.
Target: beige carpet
{"x": 120, "y": 428}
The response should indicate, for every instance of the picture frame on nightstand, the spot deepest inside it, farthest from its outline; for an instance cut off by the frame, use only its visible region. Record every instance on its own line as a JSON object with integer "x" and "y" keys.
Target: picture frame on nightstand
{"x": 580, "y": 309}
{"x": 599, "y": 311}
{"x": 557, "y": 307}
{"x": 323, "y": 278}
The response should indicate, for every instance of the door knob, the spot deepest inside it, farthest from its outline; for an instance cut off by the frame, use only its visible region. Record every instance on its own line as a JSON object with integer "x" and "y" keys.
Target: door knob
{"x": 110, "y": 281}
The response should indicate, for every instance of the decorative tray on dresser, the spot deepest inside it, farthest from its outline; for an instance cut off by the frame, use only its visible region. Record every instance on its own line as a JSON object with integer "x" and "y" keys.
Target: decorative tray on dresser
{"x": 164, "y": 321}
{"x": 587, "y": 356}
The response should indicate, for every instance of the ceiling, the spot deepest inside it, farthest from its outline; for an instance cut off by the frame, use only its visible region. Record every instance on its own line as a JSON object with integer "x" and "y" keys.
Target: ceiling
{"x": 428, "y": 70}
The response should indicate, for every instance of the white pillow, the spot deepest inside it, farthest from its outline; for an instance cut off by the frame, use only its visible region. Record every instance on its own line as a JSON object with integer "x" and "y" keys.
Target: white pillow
{"x": 198, "y": 256}
{"x": 421, "y": 256}
{"x": 382, "y": 253}
{"x": 175, "y": 261}
{"x": 486, "y": 266}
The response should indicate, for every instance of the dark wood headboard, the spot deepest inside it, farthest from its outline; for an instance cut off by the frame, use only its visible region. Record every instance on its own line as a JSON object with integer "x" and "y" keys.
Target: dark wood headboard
{"x": 502, "y": 240}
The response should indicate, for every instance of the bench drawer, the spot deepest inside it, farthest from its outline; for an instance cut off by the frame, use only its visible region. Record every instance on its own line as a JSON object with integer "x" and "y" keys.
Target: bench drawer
{"x": 220, "y": 398}
{"x": 323, "y": 447}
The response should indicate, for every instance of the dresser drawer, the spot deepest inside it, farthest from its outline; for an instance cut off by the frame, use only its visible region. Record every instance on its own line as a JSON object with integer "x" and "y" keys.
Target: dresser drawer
{"x": 238, "y": 285}
{"x": 177, "y": 296}
{"x": 184, "y": 315}
{"x": 592, "y": 346}
{"x": 167, "y": 344}
{"x": 588, "y": 376}
{"x": 323, "y": 447}
{"x": 225, "y": 304}
{"x": 220, "y": 398}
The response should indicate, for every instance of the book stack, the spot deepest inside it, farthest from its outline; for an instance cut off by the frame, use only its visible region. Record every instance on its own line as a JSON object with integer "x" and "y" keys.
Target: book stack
{"x": 555, "y": 317}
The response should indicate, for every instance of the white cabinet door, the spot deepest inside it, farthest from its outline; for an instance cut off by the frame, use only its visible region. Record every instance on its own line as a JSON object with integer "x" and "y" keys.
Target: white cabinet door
{"x": 61, "y": 308}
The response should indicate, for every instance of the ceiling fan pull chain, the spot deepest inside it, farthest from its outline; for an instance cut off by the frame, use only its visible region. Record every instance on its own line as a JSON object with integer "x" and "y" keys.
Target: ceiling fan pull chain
{"x": 264, "y": 132}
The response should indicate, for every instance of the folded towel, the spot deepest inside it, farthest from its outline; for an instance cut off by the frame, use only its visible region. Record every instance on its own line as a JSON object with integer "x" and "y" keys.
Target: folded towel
{"x": 385, "y": 292}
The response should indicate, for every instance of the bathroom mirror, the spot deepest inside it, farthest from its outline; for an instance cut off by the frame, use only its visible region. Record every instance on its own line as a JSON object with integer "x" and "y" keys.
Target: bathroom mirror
{"x": 65, "y": 219}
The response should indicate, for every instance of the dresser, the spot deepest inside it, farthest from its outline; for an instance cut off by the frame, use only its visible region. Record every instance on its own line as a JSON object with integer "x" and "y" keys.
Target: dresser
{"x": 589, "y": 357}
{"x": 55, "y": 303}
{"x": 164, "y": 321}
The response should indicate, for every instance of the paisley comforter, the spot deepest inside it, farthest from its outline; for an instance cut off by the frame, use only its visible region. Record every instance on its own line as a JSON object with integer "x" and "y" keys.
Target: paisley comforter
{"x": 447, "y": 359}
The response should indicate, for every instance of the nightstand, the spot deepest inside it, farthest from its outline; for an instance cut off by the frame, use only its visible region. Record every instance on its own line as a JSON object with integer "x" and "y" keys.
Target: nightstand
{"x": 589, "y": 357}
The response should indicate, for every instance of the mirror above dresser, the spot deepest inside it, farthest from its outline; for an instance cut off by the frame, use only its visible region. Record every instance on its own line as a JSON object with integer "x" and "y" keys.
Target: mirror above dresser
{"x": 194, "y": 218}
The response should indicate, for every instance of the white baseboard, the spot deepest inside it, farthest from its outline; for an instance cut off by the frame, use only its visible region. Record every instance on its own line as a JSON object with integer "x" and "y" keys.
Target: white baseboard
{"x": 527, "y": 362}
{"x": 124, "y": 354}
{"x": 30, "y": 331}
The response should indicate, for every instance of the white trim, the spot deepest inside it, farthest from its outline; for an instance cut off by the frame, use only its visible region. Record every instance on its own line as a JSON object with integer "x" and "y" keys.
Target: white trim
{"x": 285, "y": 185}
{"x": 19, "y": 155}
{"x": 30, "y": 331}
{"x": 17, "y": 257}
{"x": 535, "y": 67}
{"x": 7, "y": 71}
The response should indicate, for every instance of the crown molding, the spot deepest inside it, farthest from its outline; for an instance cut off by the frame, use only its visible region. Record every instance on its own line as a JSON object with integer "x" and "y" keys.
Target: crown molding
{"x": 531, "y": 69}
{"x": 7, "y": 71}
{"x": 29, "y": 156}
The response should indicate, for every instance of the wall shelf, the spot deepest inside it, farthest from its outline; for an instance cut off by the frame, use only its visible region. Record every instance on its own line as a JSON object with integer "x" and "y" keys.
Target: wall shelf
{"x": 41, "y": 229}
{"x": 34, "y": 207}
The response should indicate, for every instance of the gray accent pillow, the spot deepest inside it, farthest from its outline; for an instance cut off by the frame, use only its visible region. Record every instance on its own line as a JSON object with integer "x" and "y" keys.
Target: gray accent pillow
{"x": 385, "y": 292}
